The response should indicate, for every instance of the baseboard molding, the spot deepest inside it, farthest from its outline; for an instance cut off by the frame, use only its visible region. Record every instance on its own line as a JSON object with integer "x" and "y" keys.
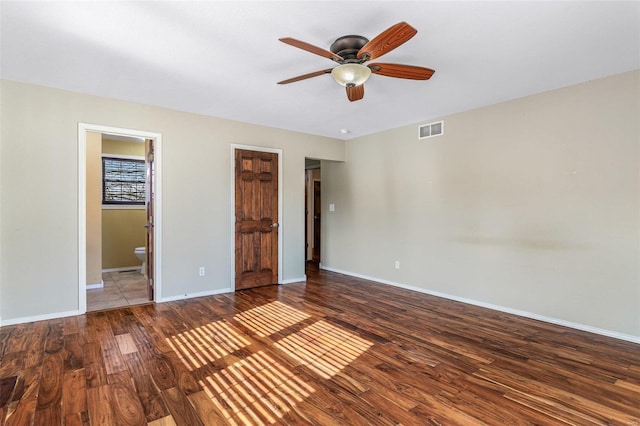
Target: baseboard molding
{"x": 556, "y": 321}
{"x": 94, "y": 286}
{"x": 122, "y": 269}
{"x": 35, "y": 318}
{"x": 295, "y": 280}
{"x": 72, "y": 313}
{"x": 193, "y": 295}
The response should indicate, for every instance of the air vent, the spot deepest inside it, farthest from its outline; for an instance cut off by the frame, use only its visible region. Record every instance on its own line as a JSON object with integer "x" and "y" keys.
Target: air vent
{"x": 430, "y": 130}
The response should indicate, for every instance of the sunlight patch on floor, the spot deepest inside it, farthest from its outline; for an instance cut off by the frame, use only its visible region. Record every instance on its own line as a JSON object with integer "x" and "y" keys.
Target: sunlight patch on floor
{"x": 255, "y": 390}
{"x": 324, "y": 348}
{"x": 270, "y": 318}
{"x": 207, "y": 343}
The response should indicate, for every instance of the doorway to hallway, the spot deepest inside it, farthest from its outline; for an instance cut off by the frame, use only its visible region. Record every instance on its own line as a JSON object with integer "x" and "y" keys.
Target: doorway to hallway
{"x": 313, "y": 210}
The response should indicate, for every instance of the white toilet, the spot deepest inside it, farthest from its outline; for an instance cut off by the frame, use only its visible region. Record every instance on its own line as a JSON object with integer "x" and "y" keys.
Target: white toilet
{"x": 141, "y": 253}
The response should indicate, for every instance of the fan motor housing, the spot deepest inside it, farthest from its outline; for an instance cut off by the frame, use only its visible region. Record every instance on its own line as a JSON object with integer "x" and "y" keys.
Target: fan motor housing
{"x": 348, "y": 47}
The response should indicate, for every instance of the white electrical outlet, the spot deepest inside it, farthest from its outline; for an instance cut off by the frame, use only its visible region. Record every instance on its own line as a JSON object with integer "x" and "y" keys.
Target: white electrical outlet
{"x": 201, "y": 271}
{"x": 397, "y": 264}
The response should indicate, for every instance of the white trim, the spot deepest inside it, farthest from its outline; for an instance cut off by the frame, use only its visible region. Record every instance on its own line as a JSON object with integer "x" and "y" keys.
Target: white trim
{"x": 570, "y": 324}
{"x": 295, "y": 280}
{"x": 193, "y": 295}
{"x": 96, "y": 285}
{"x": 278, "y": 151}
{"x": 40, "y": 317}
{"x": 82, "y": 218}
{"x": 83, "y": 128}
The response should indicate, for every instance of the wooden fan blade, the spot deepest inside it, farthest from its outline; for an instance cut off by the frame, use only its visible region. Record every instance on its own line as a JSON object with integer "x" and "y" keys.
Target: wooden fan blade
{"x": 401, "y": 71}
{"x": 386, "y": 41}
{"x": 311, "y": 48}
{"x": 355, "y": 93}
{"x": 305, "y": 76}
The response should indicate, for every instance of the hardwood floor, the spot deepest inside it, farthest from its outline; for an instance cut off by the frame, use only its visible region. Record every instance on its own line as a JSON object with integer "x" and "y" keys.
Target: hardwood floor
{"x": 334, "y": 350}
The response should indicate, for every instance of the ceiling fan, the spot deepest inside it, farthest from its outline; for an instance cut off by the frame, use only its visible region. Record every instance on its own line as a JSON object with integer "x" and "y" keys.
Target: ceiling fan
{"x": 352, "y": 51}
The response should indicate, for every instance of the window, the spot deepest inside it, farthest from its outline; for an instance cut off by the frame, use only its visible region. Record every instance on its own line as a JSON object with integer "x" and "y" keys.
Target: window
{"x": 123, "y": 181}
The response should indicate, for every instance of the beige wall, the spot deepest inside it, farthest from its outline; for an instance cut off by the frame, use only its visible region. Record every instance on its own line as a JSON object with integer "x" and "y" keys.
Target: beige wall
{"x": 122, "y": 232}
{"x": 532, "y": 205}
{"x": 111, "y": 146}
{"x": 122, "y": 229}
{"x": 94, "y": 208}
{"x": 40, "y": 214}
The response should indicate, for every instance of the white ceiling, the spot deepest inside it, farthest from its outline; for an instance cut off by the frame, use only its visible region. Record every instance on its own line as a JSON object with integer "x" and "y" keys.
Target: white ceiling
{"x": 223, "y": 58}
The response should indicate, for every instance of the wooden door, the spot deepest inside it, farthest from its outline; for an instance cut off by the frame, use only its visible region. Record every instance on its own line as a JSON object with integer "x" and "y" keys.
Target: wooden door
{"x": 256, "y": 211}
{"x": 149, "y": 197}
{"x": 317, "y": 208}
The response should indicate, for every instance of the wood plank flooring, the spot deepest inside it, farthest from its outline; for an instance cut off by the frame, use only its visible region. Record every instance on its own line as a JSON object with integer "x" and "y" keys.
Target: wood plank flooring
{"x": 332, "y": 351}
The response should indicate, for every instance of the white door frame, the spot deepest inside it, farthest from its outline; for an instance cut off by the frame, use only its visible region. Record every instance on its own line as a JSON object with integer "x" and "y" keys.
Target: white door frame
{"x": 278, "y": 151}
{"x": 83, "y": 128}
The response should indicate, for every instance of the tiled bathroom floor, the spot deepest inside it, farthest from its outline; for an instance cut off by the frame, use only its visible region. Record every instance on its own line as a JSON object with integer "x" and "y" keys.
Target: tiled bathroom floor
{"x": 120, "y": 289}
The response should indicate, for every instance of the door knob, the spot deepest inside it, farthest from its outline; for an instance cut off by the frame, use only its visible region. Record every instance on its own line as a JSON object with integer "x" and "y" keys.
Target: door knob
{"x": 275, "y": 225}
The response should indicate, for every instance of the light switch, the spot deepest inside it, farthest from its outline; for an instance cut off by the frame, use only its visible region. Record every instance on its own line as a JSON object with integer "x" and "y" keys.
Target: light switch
{"x": 332, "y": 207}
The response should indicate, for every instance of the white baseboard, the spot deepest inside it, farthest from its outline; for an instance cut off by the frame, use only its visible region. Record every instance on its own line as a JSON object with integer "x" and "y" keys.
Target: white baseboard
{"x": 72, "y": 313}
{"x": 192, "y": 295}
{"x": 39, "y": 318}
{"x": 123, "y": 269}
{"x": 96, "y": 285}
{"x": 295, "y": 280}
{"x": 570, "y": 324}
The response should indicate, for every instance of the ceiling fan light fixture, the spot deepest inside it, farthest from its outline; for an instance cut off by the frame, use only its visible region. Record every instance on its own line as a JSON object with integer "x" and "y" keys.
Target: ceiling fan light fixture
{"x": 351, "y": 75}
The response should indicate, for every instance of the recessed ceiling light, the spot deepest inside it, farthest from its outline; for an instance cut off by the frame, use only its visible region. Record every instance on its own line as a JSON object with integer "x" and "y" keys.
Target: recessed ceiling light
{"x": 345, "y": 131}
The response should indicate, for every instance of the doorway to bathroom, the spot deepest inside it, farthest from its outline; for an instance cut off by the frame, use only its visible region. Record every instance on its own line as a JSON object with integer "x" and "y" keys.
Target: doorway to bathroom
{"x": 120, "y": 225}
